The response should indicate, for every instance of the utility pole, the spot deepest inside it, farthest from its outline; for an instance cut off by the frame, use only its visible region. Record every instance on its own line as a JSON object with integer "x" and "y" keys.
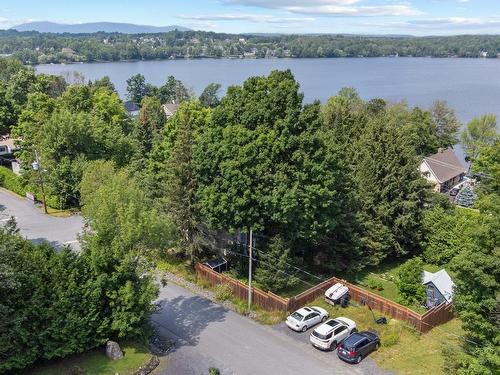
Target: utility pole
{"x": 250, "y": 271}
{"x": 37, "y": 167}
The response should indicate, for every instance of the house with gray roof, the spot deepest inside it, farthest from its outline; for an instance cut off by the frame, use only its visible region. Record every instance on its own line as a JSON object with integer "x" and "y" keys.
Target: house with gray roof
{"x": 443, "y": 170}
{"x": 438, "y": 288}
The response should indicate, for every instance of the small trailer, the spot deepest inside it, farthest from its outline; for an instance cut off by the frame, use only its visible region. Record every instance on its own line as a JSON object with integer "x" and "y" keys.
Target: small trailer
{"x": 336, "y": 293}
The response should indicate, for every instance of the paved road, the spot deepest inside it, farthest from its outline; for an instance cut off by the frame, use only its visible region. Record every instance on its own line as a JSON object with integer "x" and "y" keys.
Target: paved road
{"x": 37, "y": 226}
{"x": 209, "y": 335}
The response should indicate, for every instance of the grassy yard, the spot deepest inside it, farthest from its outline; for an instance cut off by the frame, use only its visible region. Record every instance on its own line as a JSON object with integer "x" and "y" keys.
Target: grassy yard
{"x": 403, "y": 350}
{"x": 168, "y": 262}
{"x": 95, "y": 362}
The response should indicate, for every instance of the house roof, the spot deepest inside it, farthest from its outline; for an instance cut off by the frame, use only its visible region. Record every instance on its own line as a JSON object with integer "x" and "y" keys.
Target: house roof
{"x": 170, "y": 108}
{"x": 131, "y": 106}
{"x": 442, "y": 281}
{"x": 445, "y": 165}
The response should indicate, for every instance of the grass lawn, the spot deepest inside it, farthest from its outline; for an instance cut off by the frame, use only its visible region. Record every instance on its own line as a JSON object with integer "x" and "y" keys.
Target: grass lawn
{"x": 95, "y": 362}
{"x": 403, "y": 350}
{"x": 384, "y": 275}
{"x": 168, "y": 262}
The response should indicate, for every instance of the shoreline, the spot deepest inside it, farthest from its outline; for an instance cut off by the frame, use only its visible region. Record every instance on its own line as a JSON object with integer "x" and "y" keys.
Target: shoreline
{"x": 265, "y": 58}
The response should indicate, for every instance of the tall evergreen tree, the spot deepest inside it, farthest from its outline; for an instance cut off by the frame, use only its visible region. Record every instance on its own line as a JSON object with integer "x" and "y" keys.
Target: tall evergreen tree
{"x": 390, "y": 189}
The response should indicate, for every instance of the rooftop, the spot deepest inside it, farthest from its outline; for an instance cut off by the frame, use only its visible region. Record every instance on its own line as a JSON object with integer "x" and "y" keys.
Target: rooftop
{"x": 442, "y": 281}
{"x": 445, "y": 165}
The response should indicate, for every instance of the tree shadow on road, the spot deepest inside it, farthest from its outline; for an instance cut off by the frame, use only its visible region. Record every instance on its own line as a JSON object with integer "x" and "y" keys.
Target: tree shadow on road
{"x": 184, "y": 318}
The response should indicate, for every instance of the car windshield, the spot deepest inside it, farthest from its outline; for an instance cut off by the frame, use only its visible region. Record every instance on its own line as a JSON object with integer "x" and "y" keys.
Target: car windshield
{"x": 297, "y": 316}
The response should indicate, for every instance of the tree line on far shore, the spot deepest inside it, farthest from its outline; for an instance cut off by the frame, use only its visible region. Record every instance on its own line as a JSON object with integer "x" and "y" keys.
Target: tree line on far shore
{"x": 41, "y": 48}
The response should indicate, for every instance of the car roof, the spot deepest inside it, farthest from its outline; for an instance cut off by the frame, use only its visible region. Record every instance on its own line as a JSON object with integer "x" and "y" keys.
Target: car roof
{"x": 304, "y": 310}
{"x": 353, "y": 339}
{"x": 327, "y": 326}
{"x": 345, "y": 320}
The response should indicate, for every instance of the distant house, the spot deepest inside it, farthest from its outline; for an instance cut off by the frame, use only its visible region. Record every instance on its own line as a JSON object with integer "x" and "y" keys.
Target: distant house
{"x": 443, "y": 170}
{"x": 68, "y": 51}
{"x": 438, "y": 288}
{"x": 7, "y": 146}
{"x": 132, "y": 108}
{"x": 170, "y": 109}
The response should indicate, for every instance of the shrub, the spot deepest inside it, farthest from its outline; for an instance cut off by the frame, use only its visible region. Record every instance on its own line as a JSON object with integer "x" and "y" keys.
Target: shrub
{"x": 223, "y": 292}
{"x": 390, "y": 340}
{"x": 409, "y": 282}
{"x": 11, "y": 181}
{"x": 375, "y": 284}
{"x": 213, "y": 371}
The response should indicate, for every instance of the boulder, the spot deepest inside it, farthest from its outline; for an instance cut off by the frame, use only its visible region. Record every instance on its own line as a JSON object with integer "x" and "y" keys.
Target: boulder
{"x": 149, "y": 367}
{"x": 113, "y": 350}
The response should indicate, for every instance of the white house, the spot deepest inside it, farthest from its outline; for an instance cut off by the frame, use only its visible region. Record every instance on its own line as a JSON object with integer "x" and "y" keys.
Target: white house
{"x": 443, "y": 170}
{"x": 438, "y": 288}
{"x": 7, "y": 146}
{"x": 170, "y": 109}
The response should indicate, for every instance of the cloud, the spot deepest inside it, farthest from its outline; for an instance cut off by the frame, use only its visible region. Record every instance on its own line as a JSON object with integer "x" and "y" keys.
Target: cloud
{"x": 331, "y": 7}
{"x": 256, "y": 18}
{"x": 446, "y": 25}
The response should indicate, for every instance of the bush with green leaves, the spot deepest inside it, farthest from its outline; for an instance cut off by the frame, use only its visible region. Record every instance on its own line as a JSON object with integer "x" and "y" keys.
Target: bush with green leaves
{"x": 223, "y": 292}
{"x": 409, "y": 282}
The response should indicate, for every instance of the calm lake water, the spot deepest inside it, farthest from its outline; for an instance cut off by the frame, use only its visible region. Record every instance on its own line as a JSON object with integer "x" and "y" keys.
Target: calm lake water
{"x": 470, "y": 86}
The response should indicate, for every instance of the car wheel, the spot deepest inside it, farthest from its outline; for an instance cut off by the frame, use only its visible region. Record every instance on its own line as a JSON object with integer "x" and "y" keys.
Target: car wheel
{"x": 323, "y": 319}
{"x": 358, "y": 359}
{"x": 333, "y": 345}
{"x": 304, "y": 328}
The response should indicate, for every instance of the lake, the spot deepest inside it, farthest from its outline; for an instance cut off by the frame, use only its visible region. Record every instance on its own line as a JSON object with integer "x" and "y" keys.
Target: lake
{"x": 470, "y": 86}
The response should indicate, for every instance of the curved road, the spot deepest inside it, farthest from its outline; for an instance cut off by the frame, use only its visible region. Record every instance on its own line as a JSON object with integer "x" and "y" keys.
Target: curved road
{"x": 36, "y": 226}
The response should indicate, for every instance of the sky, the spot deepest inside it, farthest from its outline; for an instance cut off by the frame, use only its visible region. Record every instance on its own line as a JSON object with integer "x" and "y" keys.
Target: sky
{"x": 415, "y": 17}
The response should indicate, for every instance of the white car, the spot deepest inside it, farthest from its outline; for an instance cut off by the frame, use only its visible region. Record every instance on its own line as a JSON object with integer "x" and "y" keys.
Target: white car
{"x": 331, "y": 333}
{"x": 306, "y": 317}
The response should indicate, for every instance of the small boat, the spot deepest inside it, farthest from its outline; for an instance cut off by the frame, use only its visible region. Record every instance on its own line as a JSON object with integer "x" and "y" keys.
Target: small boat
{"x": 334, "y": 294}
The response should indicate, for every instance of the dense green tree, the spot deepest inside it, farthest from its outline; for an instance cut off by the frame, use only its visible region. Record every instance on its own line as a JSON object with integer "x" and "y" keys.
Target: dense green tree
{"x": 274, "y": 272}
{"x": 448, "y": 232}
{"x": 447, "y": 124}
{"x": 389, "y": 187}
{"x": 177, "y": 181}
{"x": 150, "y": 123}
{"x": 7, "y": 118}
{"x": 104, "y": 82}
{"x": 173, "y": 91}
{"x": 478, "y": 133}
{"x": 261, "y": 163}
{"x": 409, "y": 282}
{"x": 208, "y": 97}
{"x": 136, "y": 88}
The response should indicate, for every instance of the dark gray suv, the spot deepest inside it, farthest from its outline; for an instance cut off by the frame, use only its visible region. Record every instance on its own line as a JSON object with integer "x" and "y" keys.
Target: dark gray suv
{"x": 357, "y": 346}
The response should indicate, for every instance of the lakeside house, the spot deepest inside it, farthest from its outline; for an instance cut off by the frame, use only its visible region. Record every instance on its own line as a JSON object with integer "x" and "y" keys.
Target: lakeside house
{"x": 443, "y": 170}
{"x": 438, "y": 288}
{"x": 170, "y": 109}
{"x": 132, "y": 108}
{"x": 7, "y": 146}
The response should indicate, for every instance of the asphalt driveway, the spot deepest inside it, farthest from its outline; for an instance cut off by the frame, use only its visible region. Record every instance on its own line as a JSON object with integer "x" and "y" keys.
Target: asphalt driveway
{"x": 37, "y": 226}
{"x": 209, "y": 335}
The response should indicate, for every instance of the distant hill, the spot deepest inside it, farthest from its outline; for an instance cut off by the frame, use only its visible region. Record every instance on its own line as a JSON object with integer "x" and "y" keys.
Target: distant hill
{"x": 93, "y": 27}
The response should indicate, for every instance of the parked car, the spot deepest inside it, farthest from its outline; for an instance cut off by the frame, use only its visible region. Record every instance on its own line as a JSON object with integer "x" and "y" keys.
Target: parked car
{"x": 334, "y": 294}
{"x": 306, "y": 317}
{"x": 357, "y": 346}
{"x": 332, "y": 332}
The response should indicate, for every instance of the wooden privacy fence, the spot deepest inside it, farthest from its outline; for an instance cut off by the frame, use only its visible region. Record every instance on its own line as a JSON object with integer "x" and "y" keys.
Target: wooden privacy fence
{"x": 270, "y": 301}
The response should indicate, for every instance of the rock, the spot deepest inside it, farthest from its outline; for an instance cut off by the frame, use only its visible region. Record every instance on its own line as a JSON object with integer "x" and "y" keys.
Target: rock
{"x": 113, "y": 350}
{"x": 148, "y": 368}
